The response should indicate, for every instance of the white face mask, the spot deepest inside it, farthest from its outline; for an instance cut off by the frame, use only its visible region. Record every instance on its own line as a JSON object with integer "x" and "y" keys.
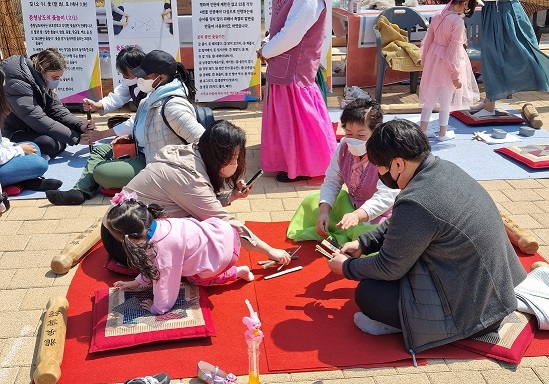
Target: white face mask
{"x": 130, "y": 82}
{"x": 145, "y": 85}
{"x": 356, "y": 147}
{"x": 228, "y": 170}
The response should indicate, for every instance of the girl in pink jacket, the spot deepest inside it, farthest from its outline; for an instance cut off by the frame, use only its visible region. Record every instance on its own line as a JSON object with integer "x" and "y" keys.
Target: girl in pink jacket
{"x": 165, "y": 249}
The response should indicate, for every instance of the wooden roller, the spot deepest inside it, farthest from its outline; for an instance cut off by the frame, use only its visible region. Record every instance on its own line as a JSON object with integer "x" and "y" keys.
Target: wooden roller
{"x": 73, "y": 252}
{"x": 52, "y": 342}
{"x": 518, "y": 236}
{"x": 532, "y": 115}
{"x": 394, "y": 109}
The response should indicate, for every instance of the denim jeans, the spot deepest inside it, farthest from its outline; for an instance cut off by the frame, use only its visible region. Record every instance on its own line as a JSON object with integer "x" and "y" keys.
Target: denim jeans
{"x": 23, "y": 168}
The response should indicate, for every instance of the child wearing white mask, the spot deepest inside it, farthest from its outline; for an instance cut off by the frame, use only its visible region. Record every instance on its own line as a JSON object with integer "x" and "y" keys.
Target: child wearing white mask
{"x": 127, "y": 59}
{"x": 368, "y": 200}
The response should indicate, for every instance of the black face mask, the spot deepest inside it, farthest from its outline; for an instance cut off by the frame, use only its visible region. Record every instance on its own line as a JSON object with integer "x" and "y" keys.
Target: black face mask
{"x": 388, "y": 180}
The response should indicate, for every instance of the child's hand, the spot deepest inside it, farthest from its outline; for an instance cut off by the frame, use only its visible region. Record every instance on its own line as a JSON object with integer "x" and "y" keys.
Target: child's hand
{"x": 322, "y": 223}
{"x": 125, "y": 285}
{"x": 348, "y": 220}
{"x": 280, "y": 256}
{"x": 146, "y": 304}
{"x": 457, "y": 83}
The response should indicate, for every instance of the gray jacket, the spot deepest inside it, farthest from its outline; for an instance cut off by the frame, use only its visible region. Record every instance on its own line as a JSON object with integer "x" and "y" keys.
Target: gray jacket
{"x": 33, "y": 108}
{"x": 446, "y": 243}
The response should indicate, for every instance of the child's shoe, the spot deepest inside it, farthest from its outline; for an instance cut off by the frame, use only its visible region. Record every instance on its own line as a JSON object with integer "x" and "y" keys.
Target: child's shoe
{"x": 483, "y": 113}
{"x": 449, "y": 136}
{"x": 160, "y": 378}
{"x": 213, "y": 375}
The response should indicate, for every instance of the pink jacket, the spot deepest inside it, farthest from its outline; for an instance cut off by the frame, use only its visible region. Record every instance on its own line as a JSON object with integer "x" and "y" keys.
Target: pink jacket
{"x": 187, "y": 247}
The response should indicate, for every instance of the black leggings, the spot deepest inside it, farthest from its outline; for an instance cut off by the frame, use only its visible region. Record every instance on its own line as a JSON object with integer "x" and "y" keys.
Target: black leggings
{"x": 378, "y": 300}
{"x": 114, "y": 248}
{"x": 47, "y": 144}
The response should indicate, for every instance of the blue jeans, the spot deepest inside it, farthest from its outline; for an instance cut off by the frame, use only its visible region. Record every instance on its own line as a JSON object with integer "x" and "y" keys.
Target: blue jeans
{"x": 23, "y": 168}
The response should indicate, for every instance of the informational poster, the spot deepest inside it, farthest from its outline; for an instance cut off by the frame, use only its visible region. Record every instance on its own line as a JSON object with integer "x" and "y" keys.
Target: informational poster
{"x": 226, "y": 35}
{"x": 326, "y": 57}
{"x": 144, "y": 23}
{"x": 70, "y": 27}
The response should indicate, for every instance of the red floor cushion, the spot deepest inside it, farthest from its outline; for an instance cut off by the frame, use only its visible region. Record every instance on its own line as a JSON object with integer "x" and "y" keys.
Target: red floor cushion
{"x": 501, "y": 117}
{"x": 533, "y": 155}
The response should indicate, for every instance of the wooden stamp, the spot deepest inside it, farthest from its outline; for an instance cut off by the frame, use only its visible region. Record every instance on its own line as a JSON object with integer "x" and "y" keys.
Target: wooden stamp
{"x": 52, "y": 341}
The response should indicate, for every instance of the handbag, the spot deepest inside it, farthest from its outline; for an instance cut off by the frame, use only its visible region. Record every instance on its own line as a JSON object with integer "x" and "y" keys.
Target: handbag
{"x": 124, "y": 150}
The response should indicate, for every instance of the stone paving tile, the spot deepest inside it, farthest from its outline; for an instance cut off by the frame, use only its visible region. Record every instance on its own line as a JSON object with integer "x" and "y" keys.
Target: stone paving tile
{"x": 32, "y": 278}
{"x": 433, "y": 365}
{"x": 37, "y": 298}
{"x": 418, "y": 378}
{"x": 498, "y": 196}
{"x": 24, "y": 214}
{"x": 76, "y": 225}
{"x": 23, "y": 376}
{"x": 8, "y": 375}
{"x": 520, "y": 207}
{"x": 25, "y": 324}
{"x": 10, "y": 227}
{"x": 465, "y": 377}
{"x": 48, "y": 241}
{"x": 542, "y": 235}
{"x": 497, "y": 185}
{"x": 282, "y": 216}
{"x": 40, "y": 226}
{"x": 525, "y": 183}
{"x": 519, "y": 376}
{"x": 526, "y": 221}
{"x": 522, "y": 194}
{"x": 472, "y": 365}
{"x": 19, "y": 352}
{"x": 543, "y": 206}
{"x": 10, "y": 300}
{"x": 266, "y": 205}
{"x": 321, "y": 375}
{"x": 26, "y": 259}
{"x": 542, "y": 373}
{"x": 62, "y": 212}
{"x": 13, "y": 243}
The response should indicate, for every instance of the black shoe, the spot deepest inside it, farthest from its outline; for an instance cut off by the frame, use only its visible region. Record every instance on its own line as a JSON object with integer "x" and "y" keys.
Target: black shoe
{"x": 160, "y": 378}
{"x": 4, "y": 200}
{"x": 72, "y": 197}
{"x": 41, "y": 184}
{"x": 283, "y": 177}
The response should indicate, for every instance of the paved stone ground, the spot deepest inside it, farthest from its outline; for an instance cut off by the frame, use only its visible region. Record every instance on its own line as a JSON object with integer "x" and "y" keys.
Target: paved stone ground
{"x": 34, "y": 231}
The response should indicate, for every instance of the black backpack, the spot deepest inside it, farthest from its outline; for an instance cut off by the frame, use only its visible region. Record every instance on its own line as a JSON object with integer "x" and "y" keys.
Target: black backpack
{"x": 204, "y": 115}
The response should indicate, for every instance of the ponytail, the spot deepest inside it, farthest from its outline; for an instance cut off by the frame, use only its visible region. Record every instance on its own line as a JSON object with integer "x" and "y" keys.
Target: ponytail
{"x": 185, "y": 77}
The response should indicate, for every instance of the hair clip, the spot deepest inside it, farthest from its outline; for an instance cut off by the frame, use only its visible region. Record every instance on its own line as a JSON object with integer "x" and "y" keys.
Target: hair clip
{"x": 120, "y": 197}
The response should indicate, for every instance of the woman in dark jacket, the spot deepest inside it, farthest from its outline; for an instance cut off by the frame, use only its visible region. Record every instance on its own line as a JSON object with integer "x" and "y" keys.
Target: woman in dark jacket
{"x": 36, "y": 113}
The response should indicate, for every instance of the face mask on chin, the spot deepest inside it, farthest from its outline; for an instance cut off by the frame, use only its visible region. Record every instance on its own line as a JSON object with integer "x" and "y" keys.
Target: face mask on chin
{"x": 388, "y": 180}
{"x": 145, "y": 85}
{"x": 356, "y": 147}
{"x": 130, "y": 82}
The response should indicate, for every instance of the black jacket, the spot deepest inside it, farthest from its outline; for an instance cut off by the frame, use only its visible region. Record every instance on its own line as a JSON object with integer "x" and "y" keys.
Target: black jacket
{"x": 33, "y": 108}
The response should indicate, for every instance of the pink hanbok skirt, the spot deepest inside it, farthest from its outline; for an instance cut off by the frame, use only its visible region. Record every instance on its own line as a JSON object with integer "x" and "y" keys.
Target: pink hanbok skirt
{"x": 297, "y": 135}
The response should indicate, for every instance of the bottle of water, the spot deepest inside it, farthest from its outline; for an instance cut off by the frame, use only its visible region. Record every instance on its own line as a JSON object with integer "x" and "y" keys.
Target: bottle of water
{"x": 105, "y": 64}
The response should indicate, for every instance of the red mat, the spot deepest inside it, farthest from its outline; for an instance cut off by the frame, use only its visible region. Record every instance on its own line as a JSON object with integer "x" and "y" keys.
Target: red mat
{"x": 307, "y": 319}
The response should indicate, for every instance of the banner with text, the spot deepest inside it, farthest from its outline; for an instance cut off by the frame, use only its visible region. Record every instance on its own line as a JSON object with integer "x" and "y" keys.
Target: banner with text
{"x": 226, "y": 35}
{"x": 70, "y": 27}
{"x": 144, "y": 23}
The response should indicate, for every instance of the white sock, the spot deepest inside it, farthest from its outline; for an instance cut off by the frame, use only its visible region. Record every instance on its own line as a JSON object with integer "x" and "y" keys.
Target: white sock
{"x": 449, "y": 136}
{"x": 244, "y": 272}
{"x": 373, "y": 327}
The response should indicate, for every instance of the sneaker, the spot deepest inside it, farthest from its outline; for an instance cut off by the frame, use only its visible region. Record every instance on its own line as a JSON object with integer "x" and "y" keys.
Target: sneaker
{"x": 213, "y": 375}
{"x": 430, "y": 133}
{"x": 160, "y": 378}
{"x": 449, "y": 136}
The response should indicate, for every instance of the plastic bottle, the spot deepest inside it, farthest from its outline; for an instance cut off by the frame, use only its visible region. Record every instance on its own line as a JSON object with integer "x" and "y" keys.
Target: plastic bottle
{"x": 253, "y": 337}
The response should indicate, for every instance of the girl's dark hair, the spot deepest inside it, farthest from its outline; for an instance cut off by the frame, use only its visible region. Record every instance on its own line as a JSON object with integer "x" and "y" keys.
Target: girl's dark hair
{"x": 471, "y": 5}
{"x": 50, "y": 59}
{"x": 185, "y": 77}
{"x": 167, "y": 5}
{"x": 133, "y": 219}
{"x": 363, "y": 112}
{"x": 129, "y": 58}
{"x": 4, "y": 106}
{"x": 397, "y": 138}
{"x": 217, "y": 146}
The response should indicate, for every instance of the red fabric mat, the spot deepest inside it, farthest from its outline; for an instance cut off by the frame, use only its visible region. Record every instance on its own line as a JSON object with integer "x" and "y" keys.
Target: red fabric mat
{"x": 307, "y": 319}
